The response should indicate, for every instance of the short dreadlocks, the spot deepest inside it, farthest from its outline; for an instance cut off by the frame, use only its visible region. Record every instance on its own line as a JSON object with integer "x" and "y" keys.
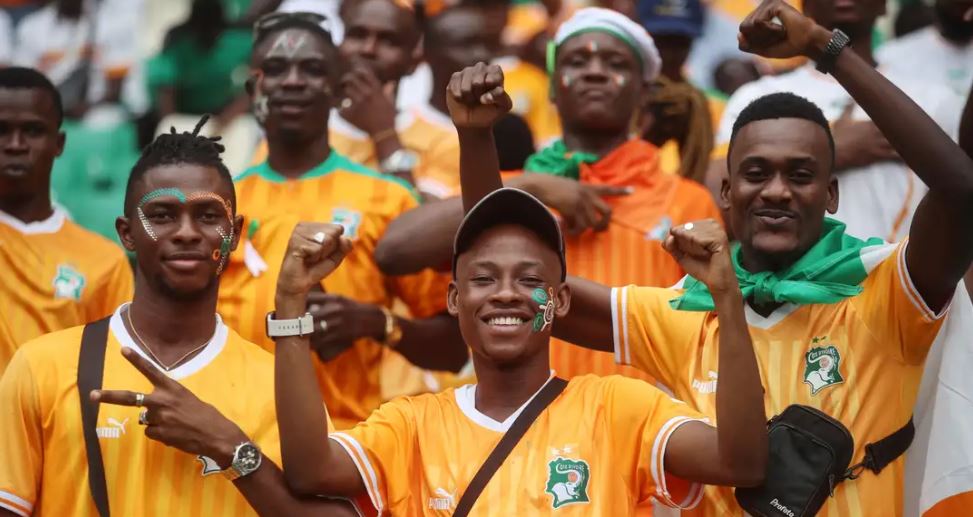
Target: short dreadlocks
{"x": 176, "y": 148}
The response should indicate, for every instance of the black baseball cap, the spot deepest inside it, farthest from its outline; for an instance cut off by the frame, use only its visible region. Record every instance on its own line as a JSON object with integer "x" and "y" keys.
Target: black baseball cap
{"x": 510, "y": 206}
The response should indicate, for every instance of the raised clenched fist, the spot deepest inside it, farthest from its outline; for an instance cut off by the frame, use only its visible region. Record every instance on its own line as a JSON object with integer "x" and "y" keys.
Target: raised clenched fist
{"x": 703, "y": 251}
{"x": 777, "y": 30}
{"x": 476, "y": 97}
{"x": 314, "y": 251}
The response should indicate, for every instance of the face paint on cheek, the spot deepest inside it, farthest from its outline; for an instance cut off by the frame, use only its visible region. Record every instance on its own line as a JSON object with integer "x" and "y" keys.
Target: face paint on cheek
{"x": 260, "y": 106}
{"x": 545, "y": 309}
{"x": 619, "y": 80}
{"x": 157, "y": 193}
{"x": 565, "y": 81}
{"x": 592, "y": 46}
{"x": 222, "y": 254}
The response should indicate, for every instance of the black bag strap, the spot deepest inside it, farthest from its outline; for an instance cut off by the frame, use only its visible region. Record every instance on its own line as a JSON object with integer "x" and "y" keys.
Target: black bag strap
{"x": 879, "y": 454}
{"x": 510, "y": 439}
{"x": 91, "y": 368}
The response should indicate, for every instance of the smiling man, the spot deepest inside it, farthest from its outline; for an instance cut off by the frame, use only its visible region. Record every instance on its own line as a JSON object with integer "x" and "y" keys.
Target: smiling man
{"x": 304, "y": 179}
{"x": 602, "y": 446}
{"x": 53, "y": 273}
{"x": 184, "y": 396}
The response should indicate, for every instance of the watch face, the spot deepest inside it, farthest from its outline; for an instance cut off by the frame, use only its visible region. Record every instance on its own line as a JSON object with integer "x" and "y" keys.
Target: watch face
{"x": 247, "y": 457}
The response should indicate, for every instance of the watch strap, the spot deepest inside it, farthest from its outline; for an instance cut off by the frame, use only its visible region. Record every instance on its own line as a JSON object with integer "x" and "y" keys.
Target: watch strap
{"x": 302, "y": 326}
{"x": 839, "y": 40}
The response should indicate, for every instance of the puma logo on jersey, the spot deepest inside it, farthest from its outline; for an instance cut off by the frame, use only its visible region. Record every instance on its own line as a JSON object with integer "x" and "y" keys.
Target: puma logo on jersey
{"x": 443, "y": 500}
{"x": 115, "y": 429}
{"x": 706, "y": 387}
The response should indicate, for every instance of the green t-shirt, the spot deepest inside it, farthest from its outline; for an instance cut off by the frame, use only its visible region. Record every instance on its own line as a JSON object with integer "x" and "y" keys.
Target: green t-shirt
{"x": 205, "y": 80}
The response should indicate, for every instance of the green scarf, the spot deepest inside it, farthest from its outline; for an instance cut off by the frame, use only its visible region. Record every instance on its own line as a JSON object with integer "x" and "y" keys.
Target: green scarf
{"x": 829, "y": 272}
{"x": 556, "y": 160}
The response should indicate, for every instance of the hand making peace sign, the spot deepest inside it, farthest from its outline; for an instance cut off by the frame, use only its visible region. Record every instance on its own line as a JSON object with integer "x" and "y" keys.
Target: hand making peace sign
{"x": 174, "y": 416}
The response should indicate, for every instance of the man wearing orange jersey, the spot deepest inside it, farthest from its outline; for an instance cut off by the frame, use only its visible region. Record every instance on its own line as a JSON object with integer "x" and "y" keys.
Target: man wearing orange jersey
{"x": 381, "y": 46}
{"x": 201, "y": 400}
{"x": 839, "y": 324}
{"x": 597, "y": 177}
{"x": 305, "y": 179}
{"x": 53, "y": 273}
{"x": 602, "y": 447}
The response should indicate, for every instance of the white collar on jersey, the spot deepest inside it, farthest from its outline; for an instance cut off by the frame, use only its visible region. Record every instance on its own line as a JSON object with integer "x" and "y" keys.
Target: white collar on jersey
{"x": 50, "y": 225}
{"x": 466, "y": 400}
{"x": 186, "y": 369}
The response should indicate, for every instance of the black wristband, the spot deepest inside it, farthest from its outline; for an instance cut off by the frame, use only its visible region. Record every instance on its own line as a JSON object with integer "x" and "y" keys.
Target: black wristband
{"x": 839, "y": 40}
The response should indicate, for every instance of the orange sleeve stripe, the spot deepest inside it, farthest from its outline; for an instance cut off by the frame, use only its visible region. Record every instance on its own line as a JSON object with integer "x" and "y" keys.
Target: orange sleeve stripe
{"x": 658, "y": 472}
{"x": 15, "y": 504}
{"x": 360, "y": 458}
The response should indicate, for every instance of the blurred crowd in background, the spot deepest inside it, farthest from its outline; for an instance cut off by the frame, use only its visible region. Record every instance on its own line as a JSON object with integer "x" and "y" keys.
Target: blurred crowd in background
{"x": 128, "y": 69}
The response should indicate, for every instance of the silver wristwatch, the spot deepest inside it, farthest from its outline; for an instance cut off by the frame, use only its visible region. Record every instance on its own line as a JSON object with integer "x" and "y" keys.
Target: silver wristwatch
{"x": 246, "y": 460}
{"x": 400, "y": 161}
{"x": 302, "y": 326}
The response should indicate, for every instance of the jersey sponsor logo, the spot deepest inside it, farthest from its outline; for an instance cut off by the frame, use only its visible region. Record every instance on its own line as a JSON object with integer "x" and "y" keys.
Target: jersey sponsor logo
{"x": 68, "y": 283}
{"x": 821, "y": 365}
{"x": 443, "y": 500}
{"x": 114, "y": 430}
{"x": 706, "y": 387}
{"x": 567, "y": 481}
{"x": 350, "y": 220}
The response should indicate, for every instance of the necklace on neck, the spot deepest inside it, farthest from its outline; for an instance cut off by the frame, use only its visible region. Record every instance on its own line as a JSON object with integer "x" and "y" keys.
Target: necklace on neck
{"x": 145, "y": 345}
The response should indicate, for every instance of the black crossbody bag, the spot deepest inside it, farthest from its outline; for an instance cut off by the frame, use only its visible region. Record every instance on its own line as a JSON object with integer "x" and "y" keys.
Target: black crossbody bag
{"x": 510, "y": 439}
{"x": 809, "y": 457}
{"x": 91, "y": 369}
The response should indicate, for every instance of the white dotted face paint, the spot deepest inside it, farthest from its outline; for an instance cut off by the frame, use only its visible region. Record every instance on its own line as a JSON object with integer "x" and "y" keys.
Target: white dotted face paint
{"x": 565, "y": 80}
{"x": 618, "y": 79}
{"x": 260, "y": 106}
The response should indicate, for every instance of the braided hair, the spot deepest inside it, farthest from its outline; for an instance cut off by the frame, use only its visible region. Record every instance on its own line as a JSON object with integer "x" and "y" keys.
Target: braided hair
{"x": 180, "y": 148}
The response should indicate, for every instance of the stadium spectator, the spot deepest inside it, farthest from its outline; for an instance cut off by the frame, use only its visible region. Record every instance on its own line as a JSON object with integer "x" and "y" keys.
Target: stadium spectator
{"x": 303, "y": 178}
{"x": 678, "y": 117}
{"x": 457, "y": 37}
{"x": 616, "y": 203}
{"x": 202, "y": 67}
{"x": 188, "y": 415}
{"x": 608, "y": 443}
{"x": 940, "y": 53}
{"x": 879, "y": 193}
{"x": 86, "y": 48}
{"x": 55, "y": 274}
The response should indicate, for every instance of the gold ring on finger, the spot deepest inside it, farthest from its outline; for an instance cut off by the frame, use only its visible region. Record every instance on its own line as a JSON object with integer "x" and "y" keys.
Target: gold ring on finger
{"x": 139, "y": 399}
{"x": 688, "y": 226}
{"x": 144, "y": 417}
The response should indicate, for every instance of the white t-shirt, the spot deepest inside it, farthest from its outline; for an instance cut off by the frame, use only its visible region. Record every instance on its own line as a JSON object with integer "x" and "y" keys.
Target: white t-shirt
{"x": 56, "y": 46}
{"x": 877, "y": 200}
{"x": 926, "y": 54}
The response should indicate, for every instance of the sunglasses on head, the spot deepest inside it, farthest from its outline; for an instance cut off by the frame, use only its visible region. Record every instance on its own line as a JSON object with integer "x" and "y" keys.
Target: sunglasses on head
{"x": 270, "y": 21}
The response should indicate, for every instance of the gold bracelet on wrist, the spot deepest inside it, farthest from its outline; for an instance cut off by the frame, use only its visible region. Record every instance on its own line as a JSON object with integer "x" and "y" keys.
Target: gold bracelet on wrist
{"x": 393, "y": 332}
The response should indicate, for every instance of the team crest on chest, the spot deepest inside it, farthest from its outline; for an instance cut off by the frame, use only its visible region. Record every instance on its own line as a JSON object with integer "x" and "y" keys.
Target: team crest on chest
{"x": 68, "y": 283}
{"x": 350, "y": 220}
{"x": 822, "y": 366}
{"x": 567, "y": 481}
